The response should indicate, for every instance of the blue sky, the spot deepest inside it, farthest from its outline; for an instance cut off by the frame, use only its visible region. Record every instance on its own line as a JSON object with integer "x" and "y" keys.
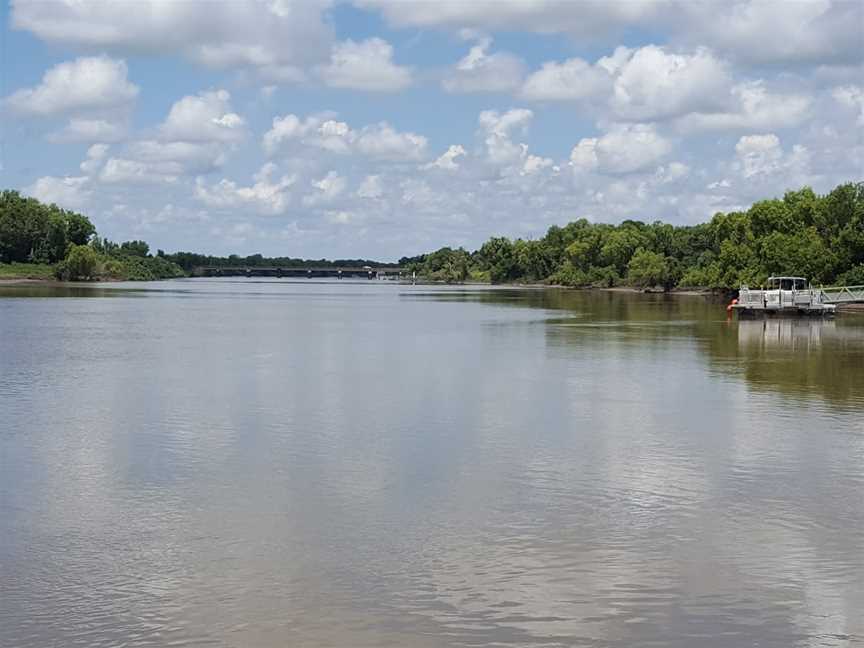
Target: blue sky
{"x": 382, "y": 128}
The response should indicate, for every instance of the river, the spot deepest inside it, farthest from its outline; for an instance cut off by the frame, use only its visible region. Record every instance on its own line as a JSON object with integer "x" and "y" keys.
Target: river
{"x": 256, "y": 463}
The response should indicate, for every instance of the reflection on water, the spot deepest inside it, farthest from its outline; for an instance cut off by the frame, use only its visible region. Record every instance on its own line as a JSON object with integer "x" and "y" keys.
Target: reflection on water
{"x": 272, "y": 463}
{"x": 798, "y": 357}
{"x": 791, "y": 356}
{"x": 798, "y": 335}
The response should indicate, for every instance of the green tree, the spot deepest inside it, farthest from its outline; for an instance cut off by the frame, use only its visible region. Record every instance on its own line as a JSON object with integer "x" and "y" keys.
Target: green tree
{"x": 23, "y": 224}
{"x": 768, "y": 216}
{"x": 79, "y": 229}
{"x": 446, "y": 265}
{"x": 33, "y": 232}
{"x": 853, "y": 277}
{"x": 586, "y": 248}
{"x": 801, "y": 252}
{"x": 648, "y": 268}
{"x": 498, "y": 257}
{"x": 621, "y": 245}
{"x": 535, "y": 260}
{"x": 569, "y": 275}
{"x": 135, "y": 248}
{"x": 51, "y": 242}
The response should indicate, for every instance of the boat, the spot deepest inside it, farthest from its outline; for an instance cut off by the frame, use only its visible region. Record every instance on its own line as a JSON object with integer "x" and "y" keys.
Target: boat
{"x": 784, "y": 296}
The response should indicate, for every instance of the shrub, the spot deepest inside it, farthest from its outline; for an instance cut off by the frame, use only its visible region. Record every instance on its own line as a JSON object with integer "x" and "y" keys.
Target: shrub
{"x": 854, "y": 277}
{"x": 80, "y": 263}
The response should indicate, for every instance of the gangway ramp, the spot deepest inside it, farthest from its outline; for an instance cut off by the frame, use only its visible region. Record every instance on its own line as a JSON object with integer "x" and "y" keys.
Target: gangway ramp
{"x": 841, "y": 295}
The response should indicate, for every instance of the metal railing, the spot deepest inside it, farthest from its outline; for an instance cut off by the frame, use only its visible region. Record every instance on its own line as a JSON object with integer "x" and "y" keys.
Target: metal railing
{"x": 840, "y": 294}
{"x": 811, "y": 297}
{"x": 748, "y": 297}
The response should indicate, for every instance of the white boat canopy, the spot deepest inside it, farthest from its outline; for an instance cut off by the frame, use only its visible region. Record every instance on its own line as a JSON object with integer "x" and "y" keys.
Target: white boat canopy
{"x": 788, "y": 283}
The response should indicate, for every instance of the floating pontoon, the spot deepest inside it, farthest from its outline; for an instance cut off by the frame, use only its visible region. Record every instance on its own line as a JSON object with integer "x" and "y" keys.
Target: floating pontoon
{"x": 794, "y": 296}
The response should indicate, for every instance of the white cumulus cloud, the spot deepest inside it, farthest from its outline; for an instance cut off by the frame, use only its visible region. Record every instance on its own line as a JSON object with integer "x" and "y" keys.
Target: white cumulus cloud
{"x": 130, "y": 171}
{"x": 585, "y": 18}
{"x": 625, "y": 148}
{"x": 268, "y": 195}
{"x": 497, "y": 130}
{"x": 89, "y": 130}
{"x": 156, "y": 161}
{"x": 87, "y": 83}
{"x": 288, "y": 128}
{"x": 751, "y": 107}
{"x": 501, "y": 152}
{"x": 777, "y": 31}
{"x": 654, "y": 83}
{"x": 277, "y": 38}
{"x": 365, "y": 65}
{"x": 70, "y": 192}
{"x": 371, "y": 187}
{"x": 205, "y": 117}
{"x": 763, "y": 155}
{"x": 447, "y": 160}
{"x": 326, "y": 189}
{"x": 570, "y": 80}
{"x": 480, "y": 71}
{"x": 95, "y": 156}
{"x": 379, "y": 141}
{"x": 851, "y": 96}
{"x": 752, "y": 31}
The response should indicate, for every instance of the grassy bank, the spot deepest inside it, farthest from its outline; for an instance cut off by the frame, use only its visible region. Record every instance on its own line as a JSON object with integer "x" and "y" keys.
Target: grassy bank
{"x": 99, "y": 268}
{"x": 26, "y": 271}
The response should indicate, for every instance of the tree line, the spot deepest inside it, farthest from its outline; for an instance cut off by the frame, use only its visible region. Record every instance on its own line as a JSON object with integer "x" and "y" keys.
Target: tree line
{"x": 190, "y": 260}
{"x": 34, "y": 233}
{"x": 805, "y": 234}
{"x": 31, "y": 232}
{"x": 802, "y": 234}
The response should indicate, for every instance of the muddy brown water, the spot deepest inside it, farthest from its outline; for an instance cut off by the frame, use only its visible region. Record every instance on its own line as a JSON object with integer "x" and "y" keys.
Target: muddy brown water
{"x": 308, "y": 463}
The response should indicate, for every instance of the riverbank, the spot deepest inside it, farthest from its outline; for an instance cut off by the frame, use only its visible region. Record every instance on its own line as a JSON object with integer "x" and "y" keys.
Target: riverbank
{"x": 26, "y": 271}
{"x": 14, "y": 281}
{"x": 103, "y": 267}
{"x": 35, "y": 274}
{"x": 54, "y": 282}
{"x": 692, "y": 292}
{"x": 539, "y": 285}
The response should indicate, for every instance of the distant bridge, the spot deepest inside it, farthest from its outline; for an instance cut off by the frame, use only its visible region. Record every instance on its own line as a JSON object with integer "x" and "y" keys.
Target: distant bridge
{"x": 340, "y": 272}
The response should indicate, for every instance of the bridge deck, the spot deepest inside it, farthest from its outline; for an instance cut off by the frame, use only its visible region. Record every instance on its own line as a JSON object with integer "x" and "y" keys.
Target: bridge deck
{"x": 293, "y": 271}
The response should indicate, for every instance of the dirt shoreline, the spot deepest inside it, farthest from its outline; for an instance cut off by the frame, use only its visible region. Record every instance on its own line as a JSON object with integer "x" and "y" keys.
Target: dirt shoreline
{"x": 688, "y": 292}
{"x": 683, "y": 291}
